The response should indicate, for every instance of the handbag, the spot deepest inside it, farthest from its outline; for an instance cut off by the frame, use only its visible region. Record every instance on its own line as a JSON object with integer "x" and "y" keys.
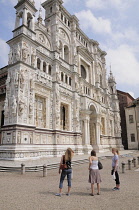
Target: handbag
{"x": 100, "y": 166}
{"x": 113, "y": 174}
{"x": 63, "y": 166}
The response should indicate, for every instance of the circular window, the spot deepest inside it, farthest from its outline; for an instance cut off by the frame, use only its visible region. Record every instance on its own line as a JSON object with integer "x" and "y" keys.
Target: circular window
{"x": 83, "y": 72}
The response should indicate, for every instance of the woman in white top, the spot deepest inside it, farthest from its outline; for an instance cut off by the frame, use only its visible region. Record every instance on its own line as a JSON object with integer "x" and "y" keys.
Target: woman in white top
{"x": 94, "y": 175}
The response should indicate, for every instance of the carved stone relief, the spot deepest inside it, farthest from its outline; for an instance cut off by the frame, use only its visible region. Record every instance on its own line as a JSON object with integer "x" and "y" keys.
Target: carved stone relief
{"x": 63, "y": 35}
{"x": 43, "y": 39}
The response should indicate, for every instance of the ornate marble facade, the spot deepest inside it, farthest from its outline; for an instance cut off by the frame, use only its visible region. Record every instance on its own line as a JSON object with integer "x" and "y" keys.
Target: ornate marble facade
{"x": 57, "y": 93}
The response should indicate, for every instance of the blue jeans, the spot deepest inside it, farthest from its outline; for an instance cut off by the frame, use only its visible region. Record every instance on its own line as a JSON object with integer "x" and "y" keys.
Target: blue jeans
{"x": 65, "y": 172}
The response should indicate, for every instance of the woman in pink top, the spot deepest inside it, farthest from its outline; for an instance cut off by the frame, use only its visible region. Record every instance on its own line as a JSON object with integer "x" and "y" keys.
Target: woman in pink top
{"x": 94, "y": 175}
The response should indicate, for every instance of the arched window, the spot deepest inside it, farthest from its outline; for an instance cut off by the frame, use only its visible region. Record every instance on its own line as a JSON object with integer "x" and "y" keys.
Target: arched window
{"x": 20, "y": 19}
{"x": 62, "y": 76}
{"x": 83, "y": 72}
{"x": 49, "y": 70}
{"x": 44, "y": 66}
{"x": 60, "y": 48}
{"x": 51, "y": 9}
{"x": 68, "y": 23}
{"x": 61, "y": 16}
{"x": 2, "y": 118}
{"x": 66, "y": 54}
{"x": 63, "y": 116}
{"x": 86, "y": 90}
{"x": 66, "y": 79}
{"x": 29, "y": 20}
{"x": 38, "y": 63}
{"x": 70, "y": 81}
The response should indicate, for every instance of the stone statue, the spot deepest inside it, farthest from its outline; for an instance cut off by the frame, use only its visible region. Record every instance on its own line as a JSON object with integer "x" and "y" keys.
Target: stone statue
{"x": 58, "y": 76}
{"x": 24, "y": 55}
{"x": 16, "y": 75}
{"x": 21, "y": 107}
{"x": 10, "y": 56}
{"x": 14, "y": 105}
{"x": 6, "y": 110}
{"x": 24, "y": 52}
{"x": 33, "y": 58}
{"x": 18, "y": 53}
{"x": 21, "y": 79}
{"x": 8, "y": 82}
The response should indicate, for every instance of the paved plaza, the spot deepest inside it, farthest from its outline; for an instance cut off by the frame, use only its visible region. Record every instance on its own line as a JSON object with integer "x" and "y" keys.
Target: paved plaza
{"x": 32, "y": 191}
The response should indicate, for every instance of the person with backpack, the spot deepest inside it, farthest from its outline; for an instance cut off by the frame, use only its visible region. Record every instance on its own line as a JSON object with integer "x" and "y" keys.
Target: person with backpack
{"x": 65, "y": 169}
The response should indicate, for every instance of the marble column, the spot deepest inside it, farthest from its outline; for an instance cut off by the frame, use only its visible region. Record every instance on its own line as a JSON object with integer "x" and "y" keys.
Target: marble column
{"x": 32, "y": 22}
{"x": 98, "y": 133}
{"x": 63, "y": 52}
{"x": 17, "y": 21}
{"x": 24, "y": 17}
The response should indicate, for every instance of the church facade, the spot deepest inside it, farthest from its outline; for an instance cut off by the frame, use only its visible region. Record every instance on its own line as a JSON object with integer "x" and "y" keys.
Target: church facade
{"x": 54, "y": 90}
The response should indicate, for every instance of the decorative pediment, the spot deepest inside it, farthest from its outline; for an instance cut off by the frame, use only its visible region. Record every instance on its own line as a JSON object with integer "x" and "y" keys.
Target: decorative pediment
{"x": 42, "y": 39}
{"x": 64, "y": 35}
{"x": 84, "y": 51}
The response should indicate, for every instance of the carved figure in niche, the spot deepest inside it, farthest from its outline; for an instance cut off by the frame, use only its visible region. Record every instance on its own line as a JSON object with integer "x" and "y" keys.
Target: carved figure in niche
{"x": 24, "y": 55}
{"x": 33, "y": 58}
{"x": 30, "y": 108}
{"x": 11, "y": 56}
{"x": 31, "y": 84}
{"x": 31, "y": 138}
{"x": 57, "y": 7}
{"x": 18, "y": 53}
{"x": 21, "y": 107}
{"x": 81, "y": 89}
{"x": 8, "y": 82}
{"x": 63, "y": 34}
{"x": 25, "y": 52}
{"x": 77, "y": 87}
{"x": 6, "y": 108}
{"x": 16, "y": 78}
{"x": 97, "y": 78}
{"x": 75, "y": 51}
{"x": 58, "y": 76}
{"x": 14, "y": 105}
{"x": 21, "y": 79}
{"x": 19, "y": 138}
{"x": 76, "y": 60}
{"x": 41, "y": 38}
{"x": 57, "y": 118}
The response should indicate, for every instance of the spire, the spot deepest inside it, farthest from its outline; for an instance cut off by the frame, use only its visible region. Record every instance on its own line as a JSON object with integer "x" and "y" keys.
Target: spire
{"x": 111, "y": 77}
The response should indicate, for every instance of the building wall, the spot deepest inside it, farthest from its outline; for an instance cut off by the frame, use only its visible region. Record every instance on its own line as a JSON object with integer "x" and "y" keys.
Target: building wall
{"x": 132, "y": 128}
{"x": 124, "y": 100}
{"x": 57, "y": 94}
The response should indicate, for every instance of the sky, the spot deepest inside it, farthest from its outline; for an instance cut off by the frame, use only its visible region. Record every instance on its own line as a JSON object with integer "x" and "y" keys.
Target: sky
{"x": 112, "y": 23}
